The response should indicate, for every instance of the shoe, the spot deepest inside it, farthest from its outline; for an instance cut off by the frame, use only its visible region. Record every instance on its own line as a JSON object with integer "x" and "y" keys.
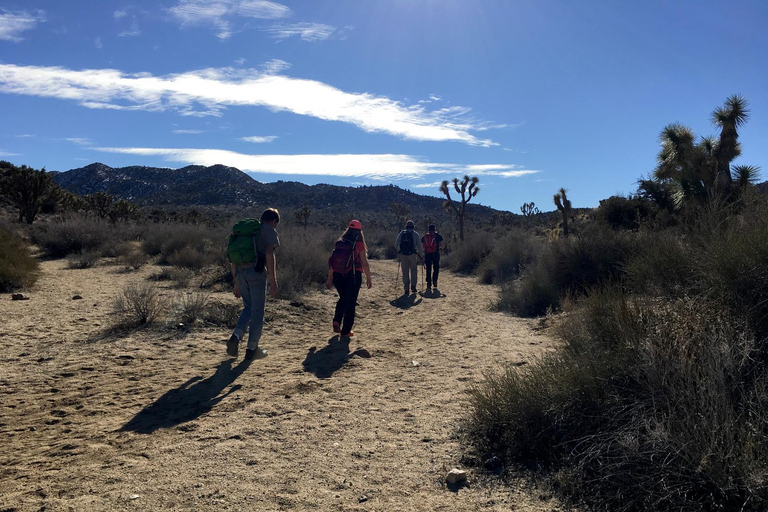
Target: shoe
{"x": 255, "y": 353}
{"x": 348, "y": 335}
{"x": 336, "y": 327}
{"x": 413, "y": 290}
{"x": 232, "y": 346}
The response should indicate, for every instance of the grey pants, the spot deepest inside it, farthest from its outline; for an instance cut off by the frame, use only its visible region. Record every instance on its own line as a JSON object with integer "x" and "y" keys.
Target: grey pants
{"x": 410, "y": 271}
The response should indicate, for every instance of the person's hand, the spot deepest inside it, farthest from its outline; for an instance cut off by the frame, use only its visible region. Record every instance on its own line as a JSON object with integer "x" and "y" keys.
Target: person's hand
{"x": 368, "y": 282}
{"x": 236, "y": 291}
{"x": 329, "y": 283}
{"x": 273, "y": 287}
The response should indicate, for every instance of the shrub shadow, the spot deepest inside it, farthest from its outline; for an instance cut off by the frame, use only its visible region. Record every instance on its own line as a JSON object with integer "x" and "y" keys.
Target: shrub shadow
{"x": 324, "y": 362}
{"x": 189, "y": 401}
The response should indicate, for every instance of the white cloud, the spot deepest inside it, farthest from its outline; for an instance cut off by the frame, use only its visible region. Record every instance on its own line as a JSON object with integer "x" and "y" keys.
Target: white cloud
{"x": 24, "y": 136}
{"x": 240, "y": 61}
{"x": 193, "y": 132}
{"x": 6, "y": 153}
{"x": 221, "y": 14}
{"x": 12, "y": 24}
{"x": 434, "y": 184}
{"x": 209, "y": 91}
{"x": 121, "y": 13}
{"x": 373, "y": 166}
{"x": 133, "y": 30}
{"x": 306, "y": 31}
{"x": 80, "y": 141}
{"x": 97, "y": 42}
{"x": 259, "y": 140}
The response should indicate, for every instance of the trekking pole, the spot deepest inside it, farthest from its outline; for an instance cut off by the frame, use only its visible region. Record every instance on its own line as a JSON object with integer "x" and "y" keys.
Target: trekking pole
{"x": 423, "y": 271}
{"x": 397, "y": 273}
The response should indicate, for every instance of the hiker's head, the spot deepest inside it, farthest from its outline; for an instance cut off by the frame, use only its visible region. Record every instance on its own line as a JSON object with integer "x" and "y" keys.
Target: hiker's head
{"x": 409, "y": 225}
{"x": 271, "y": 215}
{"x": 431, "y": 228}
{"x": 355, "y": 224}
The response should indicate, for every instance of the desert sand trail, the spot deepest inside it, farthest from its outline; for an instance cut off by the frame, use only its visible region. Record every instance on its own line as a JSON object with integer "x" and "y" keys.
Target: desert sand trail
{"x": 159, "y": 418}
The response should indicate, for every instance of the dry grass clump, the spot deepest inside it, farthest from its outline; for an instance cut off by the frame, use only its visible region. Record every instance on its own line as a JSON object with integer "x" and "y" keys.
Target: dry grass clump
{"x": 138, "y": 304}
{"x": 467, "y": 256}
{"x": 18, "y": 268}
{"x": 221, "y": 314}
{"x": 302, "y": 259}
{"x": 190, "y": 306}
{"x": 85, "y": 259}
{"x": 72, "y": 236}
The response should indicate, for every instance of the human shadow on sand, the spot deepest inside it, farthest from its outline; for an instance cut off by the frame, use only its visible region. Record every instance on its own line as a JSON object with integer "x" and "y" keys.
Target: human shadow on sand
{"x": 189, "y": 401}
{"x": 406, "y": 301}
{"x": 432, "y": 293}
{"x": 324, "y": 362}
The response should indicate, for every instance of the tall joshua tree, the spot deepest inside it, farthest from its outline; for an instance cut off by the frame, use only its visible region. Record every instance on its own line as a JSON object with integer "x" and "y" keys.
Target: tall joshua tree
{"x": 467, "y": 189}
{"x": 564, "y": 205}
{"x": 732, "y": 115}
{"x": 26, "y": 188}
{"x": 302, "y": 216}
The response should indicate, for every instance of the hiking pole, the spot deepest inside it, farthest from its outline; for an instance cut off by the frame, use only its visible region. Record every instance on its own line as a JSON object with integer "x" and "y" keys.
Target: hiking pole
{"x": 397, "y": 273}
{"x": 423, "y": 271}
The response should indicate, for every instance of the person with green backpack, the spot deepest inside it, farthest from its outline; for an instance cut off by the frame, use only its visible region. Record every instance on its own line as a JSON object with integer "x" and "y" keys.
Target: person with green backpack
{"x": 251, "y": 254}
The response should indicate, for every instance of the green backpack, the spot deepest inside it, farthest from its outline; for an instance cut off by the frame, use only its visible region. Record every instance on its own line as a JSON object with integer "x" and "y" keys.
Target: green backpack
{"x": 241, "y": 247}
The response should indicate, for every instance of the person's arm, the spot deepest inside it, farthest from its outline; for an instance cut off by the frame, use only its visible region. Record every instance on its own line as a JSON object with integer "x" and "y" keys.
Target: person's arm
{"x": 366, "y": 268}
{"x": 271, "y": 267}
{"x": 419, "y": 247}
{"x": 233, "y": 269}
{"x": 329, "y": 281}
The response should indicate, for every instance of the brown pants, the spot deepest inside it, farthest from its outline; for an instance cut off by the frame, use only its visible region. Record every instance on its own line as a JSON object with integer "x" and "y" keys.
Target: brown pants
{"x": 410, "y": 271}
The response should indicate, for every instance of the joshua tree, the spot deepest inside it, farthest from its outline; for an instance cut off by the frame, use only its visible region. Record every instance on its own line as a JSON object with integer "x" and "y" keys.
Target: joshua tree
{"x": 564, "y": 205}
{"x": 529, "y": 209}
{"x": 26, "y": 188}
{"x": 468, "y": 189}
{"x": 729, "y": 118}
{"x": 100, "y": 203}
{"x": 302, "y": 216}
{"x": 402, "y": 211}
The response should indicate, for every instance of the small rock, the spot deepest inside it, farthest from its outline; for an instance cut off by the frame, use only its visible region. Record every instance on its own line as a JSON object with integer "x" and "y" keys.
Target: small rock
{"x": 361, "y": 352}
{"x": 456, "y": 476}
{"x": 296, "y": 304}
{"x": 415, "y": 363}
{"x": 362, "y": 499}
{"x": 492, "y": 464}
{"x": 19, "y": 296}
{"x": 77, "y": 297}
{"x": 134, "y": 497}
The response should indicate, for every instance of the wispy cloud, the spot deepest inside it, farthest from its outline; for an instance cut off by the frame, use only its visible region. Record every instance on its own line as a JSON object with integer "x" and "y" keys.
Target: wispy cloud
{"x": 13, "y": 23}
{"x": 98, "y": 43}
{"x": 259, "y": 140}
{"x": 209, "y": 91}
{"x": 192, "y": 132}
{"x": 221, "y": 15}
{"x": 80, "y": 141}
{"x": 7, "y": 153}
{"x": 305, "y": 31}
{"x": 133, "y": 29}
{"x": 434, "y": 184}
{"x": 24, "y": 135}
{"x": 372, "y": 166}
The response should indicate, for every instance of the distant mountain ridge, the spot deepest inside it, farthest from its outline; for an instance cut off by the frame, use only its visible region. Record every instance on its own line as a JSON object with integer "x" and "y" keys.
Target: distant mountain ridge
{"x": 219, "y": 185}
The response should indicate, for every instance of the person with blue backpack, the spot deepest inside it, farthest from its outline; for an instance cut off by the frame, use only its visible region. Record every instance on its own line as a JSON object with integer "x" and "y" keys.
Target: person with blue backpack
{"x": 409, "y": 253}
{"x": 346, "y": 266}
{"x": 251, "y": 252}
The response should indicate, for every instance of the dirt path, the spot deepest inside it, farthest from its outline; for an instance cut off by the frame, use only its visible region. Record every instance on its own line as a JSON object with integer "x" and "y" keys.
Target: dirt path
{"x": 160, "y": 419}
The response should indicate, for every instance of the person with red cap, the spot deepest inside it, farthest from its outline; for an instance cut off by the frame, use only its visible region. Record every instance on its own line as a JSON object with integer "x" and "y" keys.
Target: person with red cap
{"x": 346, "y": 267}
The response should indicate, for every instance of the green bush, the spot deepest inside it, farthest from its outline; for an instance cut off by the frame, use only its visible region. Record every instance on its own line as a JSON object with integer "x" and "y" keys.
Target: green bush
{"x": 509, "y": 255}
{"x": 302, "y": 259}
{"x": 466, "y": 258}
{"x": 18, "y": 269}
{"x": 533, "y": 294}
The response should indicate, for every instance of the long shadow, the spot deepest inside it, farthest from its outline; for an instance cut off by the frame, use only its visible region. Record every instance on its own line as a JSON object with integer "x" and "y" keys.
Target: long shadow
{"x": 434, "y": 293}
{"x": 324, "y": 362}
{"x": 189, "y": 401}
{"x": 406, "y": 301}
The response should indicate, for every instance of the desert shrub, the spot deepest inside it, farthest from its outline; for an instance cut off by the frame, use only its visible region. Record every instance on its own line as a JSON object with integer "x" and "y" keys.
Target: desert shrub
{"x": 185, "y": 244}
{"x": 533, "y": 294}
{"x": 508, "y": 257}
{"x": 221, "y": 314}
{"x": 192, "y": 258}
{"x": 138, "y": 304}
{"x": 302, "y": 259}
{"x": 132, "y": 260}
{"x": 72, "y": 236}
{"x": 118, "y": 250}
{"x": 190, "y": 306}
{"x": 623, "y": 213}
{"x": 86, "y": 259}
{"x": 663, "y": 264}
{"x": 467, "y": 256}
{"x": 17, "y": 266}
{"x": 648, "y": 406}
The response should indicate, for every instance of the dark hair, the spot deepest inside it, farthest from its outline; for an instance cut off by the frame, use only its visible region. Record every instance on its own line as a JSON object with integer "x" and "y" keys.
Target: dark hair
{"x": 353, "y": 234}
{"x": 431, "y": 227}
{"x": 270, "y": 214}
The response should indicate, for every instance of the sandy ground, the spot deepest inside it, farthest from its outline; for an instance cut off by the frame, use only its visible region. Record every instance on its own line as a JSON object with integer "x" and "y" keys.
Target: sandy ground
{"x": 157, "y": 419}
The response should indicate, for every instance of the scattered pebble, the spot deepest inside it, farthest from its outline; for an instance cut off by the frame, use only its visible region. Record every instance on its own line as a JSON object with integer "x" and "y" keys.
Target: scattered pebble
{"x": 456, "y": 476}
{"x": 19, "y": 296}
{"x": 77, "y": 297}
{"x": 415, "y": 363}
{"x": 362, "y": 499}
{"x": 361, "y": 352}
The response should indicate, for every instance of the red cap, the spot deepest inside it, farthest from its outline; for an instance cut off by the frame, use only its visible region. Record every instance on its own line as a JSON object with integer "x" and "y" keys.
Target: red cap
{"x": 355, "y": 224}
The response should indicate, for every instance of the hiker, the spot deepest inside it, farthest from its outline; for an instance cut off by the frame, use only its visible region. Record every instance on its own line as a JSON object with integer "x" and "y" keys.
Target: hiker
{"x": 432, "y": 244}
{"x": 346, "y": 267}
{"x": 251, "y": 278}
{"x": 409, "y": 253}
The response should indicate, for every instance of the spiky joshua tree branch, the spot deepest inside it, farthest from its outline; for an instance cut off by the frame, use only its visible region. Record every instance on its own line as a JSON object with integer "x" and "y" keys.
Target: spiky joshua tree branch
{"x": 564, "y": 205}
{"x": 467, "y": 189}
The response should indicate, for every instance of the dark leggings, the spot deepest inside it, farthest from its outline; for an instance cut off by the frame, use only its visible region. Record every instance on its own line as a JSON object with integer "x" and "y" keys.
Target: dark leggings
{"x": 348, "y": 287}
{"x": 432, "y": 261}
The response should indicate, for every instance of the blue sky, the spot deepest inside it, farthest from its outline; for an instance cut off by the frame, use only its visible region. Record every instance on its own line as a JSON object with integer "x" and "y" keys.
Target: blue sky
{"x": 529, "y": 96}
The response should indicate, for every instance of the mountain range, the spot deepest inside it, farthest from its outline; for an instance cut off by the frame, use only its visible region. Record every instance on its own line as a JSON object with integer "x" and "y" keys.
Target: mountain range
{"x": 222, "y": 186}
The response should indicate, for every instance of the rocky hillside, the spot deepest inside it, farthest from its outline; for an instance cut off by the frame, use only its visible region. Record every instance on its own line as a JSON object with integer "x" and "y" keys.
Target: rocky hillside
{"x": 219, "y": 185}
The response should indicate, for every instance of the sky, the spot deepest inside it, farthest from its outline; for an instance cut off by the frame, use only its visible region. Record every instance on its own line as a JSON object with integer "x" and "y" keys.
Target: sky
{"x": 527, "y": 95}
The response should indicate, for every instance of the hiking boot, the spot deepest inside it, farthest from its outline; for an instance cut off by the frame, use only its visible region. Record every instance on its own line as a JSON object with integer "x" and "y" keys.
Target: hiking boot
{"x": 336, "y": 327}
{"x": 348, "y": 335}
{"x": 233, "y": 346}
{"x": 255, "y": 353}
{"x": 413, "y": 290}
